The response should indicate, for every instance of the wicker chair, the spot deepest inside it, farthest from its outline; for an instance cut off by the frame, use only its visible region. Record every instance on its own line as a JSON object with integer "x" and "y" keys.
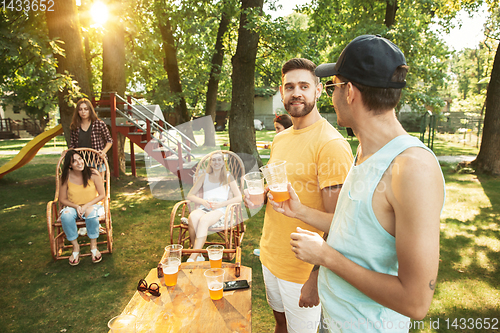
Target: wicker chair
{"x": 59, "y": 245}
{"x": 231, "y": 234}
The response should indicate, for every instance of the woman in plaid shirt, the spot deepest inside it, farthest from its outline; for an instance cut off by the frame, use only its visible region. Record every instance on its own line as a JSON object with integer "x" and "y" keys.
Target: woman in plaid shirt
{"x": 88, "y": 131}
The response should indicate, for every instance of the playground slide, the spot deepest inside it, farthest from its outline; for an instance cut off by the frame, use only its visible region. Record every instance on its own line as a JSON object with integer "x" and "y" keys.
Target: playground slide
{"x": 30, "y": 150}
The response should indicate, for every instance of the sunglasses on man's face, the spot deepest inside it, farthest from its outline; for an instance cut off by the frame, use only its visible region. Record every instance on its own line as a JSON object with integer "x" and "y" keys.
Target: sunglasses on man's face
{"x": 153, "y": 289}
{"x": 330, "y": 87}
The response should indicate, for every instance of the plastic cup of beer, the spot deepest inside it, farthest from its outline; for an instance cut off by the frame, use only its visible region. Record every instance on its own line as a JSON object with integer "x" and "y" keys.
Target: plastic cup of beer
{"x": 173, "y": 251}
{"x": 255, "y": 186}
{"x": 215, "y": 282}
{"x": 277, "y": 181}
{"x": 171, "y": 271}
{"x": 215, "y": 255}
{"x": 123, "y": 324}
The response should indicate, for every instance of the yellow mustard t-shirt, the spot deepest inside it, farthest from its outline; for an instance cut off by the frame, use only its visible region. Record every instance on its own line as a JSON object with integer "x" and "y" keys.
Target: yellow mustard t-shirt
{"x": 317, "y": 156}
{"x": 80, "y": 195}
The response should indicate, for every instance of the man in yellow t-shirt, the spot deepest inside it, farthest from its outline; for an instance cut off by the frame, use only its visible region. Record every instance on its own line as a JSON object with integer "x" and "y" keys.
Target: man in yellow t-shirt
{"x": 318, "y": 159}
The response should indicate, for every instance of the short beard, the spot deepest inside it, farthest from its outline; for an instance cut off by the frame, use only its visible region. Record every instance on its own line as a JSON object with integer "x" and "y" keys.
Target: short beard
{"x": 308, "y": 107}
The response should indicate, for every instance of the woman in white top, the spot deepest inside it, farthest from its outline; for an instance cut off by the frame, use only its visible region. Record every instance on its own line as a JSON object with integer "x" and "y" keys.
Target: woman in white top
{"x": 219, "y": 191}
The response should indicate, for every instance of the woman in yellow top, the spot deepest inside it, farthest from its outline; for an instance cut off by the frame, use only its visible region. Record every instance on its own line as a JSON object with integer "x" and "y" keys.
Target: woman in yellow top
{"x": 80, "y": 190}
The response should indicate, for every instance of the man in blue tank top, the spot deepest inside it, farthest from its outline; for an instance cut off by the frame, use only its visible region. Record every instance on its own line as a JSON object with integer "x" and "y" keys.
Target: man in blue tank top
{"x": 380, "y": 262}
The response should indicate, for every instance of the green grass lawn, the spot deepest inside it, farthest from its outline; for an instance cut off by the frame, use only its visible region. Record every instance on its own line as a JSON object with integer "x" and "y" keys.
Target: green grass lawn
{"x": 45, "y": 296}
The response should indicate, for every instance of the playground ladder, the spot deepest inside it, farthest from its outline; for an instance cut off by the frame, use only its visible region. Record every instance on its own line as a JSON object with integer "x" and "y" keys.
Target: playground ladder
{"x": 156, "y": 137}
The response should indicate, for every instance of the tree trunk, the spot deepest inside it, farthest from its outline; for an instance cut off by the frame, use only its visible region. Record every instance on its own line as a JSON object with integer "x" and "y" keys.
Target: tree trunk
{"x": 213, "y": 82}
{"x": 88, "y": 58}
{"x": 488, "y": 159}
{"x": 63, "y": 23}
{"x": 172, "y": 68}
{"x": 113, "y": 72}
{"x": 390, "y": 12}
{"x": 241, "y": 129}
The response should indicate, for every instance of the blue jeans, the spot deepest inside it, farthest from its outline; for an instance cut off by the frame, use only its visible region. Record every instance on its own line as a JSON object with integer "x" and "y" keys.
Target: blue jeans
{"x": 69, "y": 217}
{"x": 100, "y": 167}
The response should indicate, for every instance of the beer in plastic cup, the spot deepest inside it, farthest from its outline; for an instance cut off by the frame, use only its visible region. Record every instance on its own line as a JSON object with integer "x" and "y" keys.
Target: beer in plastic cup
{"x": 255, "y": 186}
{"x": 215, "y": 255}
{"x": 215, "y": 282}
{"x": 279, "y": 192}
{"x": 171, "y": 271}
{"x": 256, "y": 197}
{"x": 275, "y": 174}
{"x": 215, "y": 290}
{"x": 123, "y": 324}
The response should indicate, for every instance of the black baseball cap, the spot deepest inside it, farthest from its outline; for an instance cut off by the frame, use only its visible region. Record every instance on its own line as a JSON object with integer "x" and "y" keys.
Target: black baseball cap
{"x": 369, "y": 60}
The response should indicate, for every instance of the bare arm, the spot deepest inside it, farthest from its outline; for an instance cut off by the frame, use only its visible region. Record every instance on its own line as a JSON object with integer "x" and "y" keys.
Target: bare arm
{"x": 295, "y": 209}
{"x": 63, "y": 196}
{"x": 107, "y": 147}
{"x": 192, "y": 195}
{"x": 99, "y": 185}
{"x": 103, "y": 152}
{"x": 416, "y": 196}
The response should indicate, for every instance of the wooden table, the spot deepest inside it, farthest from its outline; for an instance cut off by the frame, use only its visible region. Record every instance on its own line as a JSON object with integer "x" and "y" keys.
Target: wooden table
{"x": 187, "y": 307}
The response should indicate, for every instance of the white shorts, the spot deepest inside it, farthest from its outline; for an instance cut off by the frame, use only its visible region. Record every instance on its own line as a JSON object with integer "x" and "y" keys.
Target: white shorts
{"x": 283, "y": 296}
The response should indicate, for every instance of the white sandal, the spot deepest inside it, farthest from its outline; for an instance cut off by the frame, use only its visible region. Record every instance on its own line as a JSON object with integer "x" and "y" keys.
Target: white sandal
{"x": 95, "y": 260}
{"x": 76, "y": 261}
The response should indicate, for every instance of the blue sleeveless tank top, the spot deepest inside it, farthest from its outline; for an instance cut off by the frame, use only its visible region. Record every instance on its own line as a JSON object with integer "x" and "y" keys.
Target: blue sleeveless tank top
{"x": 356, "y": 233}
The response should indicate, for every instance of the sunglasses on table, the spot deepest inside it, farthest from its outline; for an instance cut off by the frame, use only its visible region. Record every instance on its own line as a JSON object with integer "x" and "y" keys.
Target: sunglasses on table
{"x": 153, "y": 289}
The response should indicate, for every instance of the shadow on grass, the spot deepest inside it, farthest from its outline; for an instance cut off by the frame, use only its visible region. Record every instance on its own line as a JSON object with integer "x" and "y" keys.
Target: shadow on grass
{"x": 469, "y": 242}
{"x": 469, "y": 272}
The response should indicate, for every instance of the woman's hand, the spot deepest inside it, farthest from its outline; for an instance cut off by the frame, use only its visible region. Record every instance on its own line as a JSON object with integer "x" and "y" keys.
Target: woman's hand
{"x": 207, "y": 203}
{"x": 249, "y": 204}
{"x": 102, "y": 154}
{"x": 79, "y": 211}
{"x": 214, "y": 205}
{"x": 84, "y": 209}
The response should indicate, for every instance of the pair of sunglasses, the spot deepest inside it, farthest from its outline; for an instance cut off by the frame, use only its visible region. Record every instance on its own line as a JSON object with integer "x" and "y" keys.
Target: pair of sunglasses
{"x": 153, "y": 289}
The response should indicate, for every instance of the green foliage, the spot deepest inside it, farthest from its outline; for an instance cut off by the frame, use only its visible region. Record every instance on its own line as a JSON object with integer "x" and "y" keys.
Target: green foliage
{"x": 194, "y": 26}
{"x": 264, "y": 92}
{"x": 28, "y": 78}
{"x": 471, "y": 69}
{"x": 425, "y": 53}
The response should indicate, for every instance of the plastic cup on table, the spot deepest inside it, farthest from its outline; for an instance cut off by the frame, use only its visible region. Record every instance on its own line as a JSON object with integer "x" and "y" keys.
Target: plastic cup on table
{"x": 171, "y": 257}
{"x": 171, "y": 271}
{"x": 215, "y": 253}
{"x": 123, "y": 324}
{"x": 173, "y": 251}
{"x": 255, "y": 186}
{"x": 275, "y": 174}
{"x": 215, "y": 282}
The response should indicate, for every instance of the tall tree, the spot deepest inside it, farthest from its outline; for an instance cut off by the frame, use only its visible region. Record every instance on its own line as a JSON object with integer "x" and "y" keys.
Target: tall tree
{"x": 113, "y": 67}
{"x": 171, "y": 66}
{"x": 488, "y": 158}
{"x": 390, "y": 12}
{"x": 64, "y": 23}
{"x": 215, "y": 71}
{"x": 241, "y": 130}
